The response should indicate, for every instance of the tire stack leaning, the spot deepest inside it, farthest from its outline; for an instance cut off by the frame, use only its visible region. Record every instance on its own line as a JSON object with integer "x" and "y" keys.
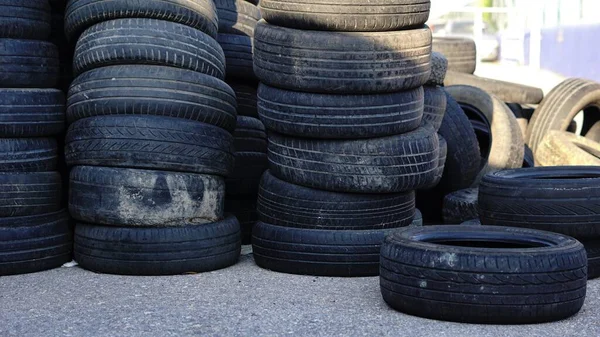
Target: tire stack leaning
{"x": 237, "y": 21}
{"x": 150, "y": 139}
{"x": 34, "y": 231}
{"x": 342, "y": 100}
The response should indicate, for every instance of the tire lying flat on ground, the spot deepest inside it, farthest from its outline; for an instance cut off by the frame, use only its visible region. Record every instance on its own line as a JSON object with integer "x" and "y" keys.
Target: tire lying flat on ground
{"x": 130, "y": 197}
{"x": 378, "y": 165}
{"x": 460, "y": 52}
{"x": 31, "y": 112}
{"x": 150, "y": 251}
{"x": 321, "y": 116}
{"x": 28, "y": 64}
{"x": 346, "y": 15}
{"x": 341, "y": 62}
{"x": 24, "y": 194}
{"x": 28, "y": 154}
{"x": 505, "y": 91}
{"x": 475, "y": 274}
{"x": 560, "y": 148}
{"x": 25, "y": 19}
{"x": 152, "y": 90}
{"x": 565, "y": 200}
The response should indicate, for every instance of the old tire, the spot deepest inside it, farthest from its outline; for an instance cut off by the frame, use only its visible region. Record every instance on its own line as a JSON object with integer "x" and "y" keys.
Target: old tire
{"x": 245, "y": 94}
{"x": 250, "y": 135}
{"x": 435, "y": 106}
{"x": 505, "y": 91}
{"x": 33, "y": 193}
{"x": 237, "y": 17}
{"x": 28, "y": 154}
{"x": 31, "y": 112}
{"x": 25, "y": 19}
{"x": 28, "y": 64}
{"x": 238, "y": 56}
{"x": 560, "y": 148}
{"x": 460, "y": 206}
{"x": 460, "y": 53}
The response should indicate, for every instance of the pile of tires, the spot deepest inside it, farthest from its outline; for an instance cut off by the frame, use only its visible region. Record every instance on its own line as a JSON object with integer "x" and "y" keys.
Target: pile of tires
{"x": 149, "y": 142}
{"x": 237, "y": 22}
{"x": 34, "y": 227}
{"x": 342, "y": 98}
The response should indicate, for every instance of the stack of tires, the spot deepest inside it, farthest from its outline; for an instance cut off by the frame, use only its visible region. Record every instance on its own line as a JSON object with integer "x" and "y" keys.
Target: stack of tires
{"x": 34, "y": 231}
{"x": 341, "y": 96}
{"x": 237, "y": 21}
{"x": 150, "y": 139}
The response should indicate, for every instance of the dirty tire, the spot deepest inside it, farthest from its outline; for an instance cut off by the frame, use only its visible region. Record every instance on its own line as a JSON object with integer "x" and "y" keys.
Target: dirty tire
{"x": 559, "y": 107}
{"x": 593, "y": 253}
{"x": 460, "y": 53}
{"x": 426, "y": 273}
{"x": 82, "y": 14}
{"x": 23, "y": 194}
{"x": 34, "y": 243}
{"x": 238, "y": 56}
{"x": 152, "y": 90}
{"x": 435, "y": 106}
{"x": 560, "y": 148}
{"x": 378, "y": 165}
{"x": 418, "y": 219}
{"x": 28, "y": 154}
{"x": 507, "y": 147}
{"x": 28, "y": 64}
{"x": 317, "y": 251}
{"x": 24, "y": 19}
{"x": 249, "y": 167}
{"x": 460, "y": 206}
{"x": 594, "y": 132}
{"x": 245, "y": 94}
{"x": 348, "y": 15}
{"x": 237, "y": 17}
{"x": 505, "y": 91}
{"x": 343, "y": 63}
{"x": 144, "y": 198}
{"x": 439, "y": 68}
{"x": 31, "y": 112}
{"x": 472, "y": 222}
{"x": 284, "y": 204}
{"x": 150, "y": 142}
{"x": 149, "y": 251}
{"x": 338, "y": 116}
{"x": 244, "y": 210}
{"x": 564, "y": 200}
{"x": 151, "y": 42}
{"x": 441, "y": 163}
{"x": 250, "y": 135}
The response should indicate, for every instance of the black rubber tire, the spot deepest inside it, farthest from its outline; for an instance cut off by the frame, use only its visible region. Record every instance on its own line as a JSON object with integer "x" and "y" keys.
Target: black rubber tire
{"x": 245, "y": 94}
{"x": 462, "y": 165}
{"x": 238, "y": 56}
{"x": 439, "y": 173}
{"x": 560, "y": 106}
{"x": 148, "y": 41}
{"x": 439, "y": 68}
{"x": 460, "y": 53}
{"x": 25, "y": 19}
{"x": 31, "y": 112}
{"x": 28, "y": 154}
{"x": 249, "y": 167}
{"x": 152, "y": 90}
{"x": 244, "y": 209}
{"x": 338, "y": 116}
{"x": 505, "y": 91}
{"x": 562, "y": 148}
{"x": 28, "y": 64}
{"x": 507, "y": 146}
{"x": 250, "y": 135}
{"x": 150, "y": 142}
{"x": 592, "y": 249}
{"x": 346, "y": 15}
{"x": 418, "y": 219}
{"x": 317, "y": 251}
{"x": 237, "y": 17}
{"x": 144, "y": 198}
{"x": 284, "y": 204}
{"x": 190, "y": 248}
{"x": 342, "y": 63}
{"x": 378, "y": 165}
{"x": 34, "y": 243}
{"x": 460, "y": 206}
{"x": 24, "y": 194}
{"x": 565, "y": 200}
{"x": 465, "y": 274}
{"x": 82, "y": 14}
{"x": 528, "y": 159}
{"x": 435, "y": 106}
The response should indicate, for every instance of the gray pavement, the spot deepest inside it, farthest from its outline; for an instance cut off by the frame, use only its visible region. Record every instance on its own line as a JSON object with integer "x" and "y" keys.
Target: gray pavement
{"x": 243, "y": 300}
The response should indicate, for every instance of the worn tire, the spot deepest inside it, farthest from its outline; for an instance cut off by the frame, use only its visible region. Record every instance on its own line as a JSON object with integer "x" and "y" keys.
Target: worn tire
{"x": 150, "y": 142}
{"x": 237, "y": 17}
{"x": 435, "y": 106}
{"x": 28, "y": 154}
{"x": 245, "y": 94}
{"x": 28, "y": 64}
{"x": 144, "y": 198}
{"x": 189, "y": 248}
{"x": 565, "y": 200}
{"x": 151, "y": 42}
{"x": 238, "y": 56}
{"x": 378, "y": 165}
{"x": 317, "y": 251}
{"x": 82, "y": 14}
{"x": 560, "y": 148}
{"x": 250, "y": 135}
{"x": 283, "y": 204}
{"x": 560, "y": 106}
{"x": 31, "y": 112}
{"x": 338, "y": 116}
{"x": 152, "y": 90}
{"x": 441, "y": 163}
{"x": 347, "y": 15}
{"x": 249, "y": 167}
{"x": 24, "y": 194}
{"x": 460, "y": 53}
{"x": 465, "y": 274}
{"x": 34, "y": 243}
{"x": 25, "y": 19}
{"x": 342, "y": 63}
{"x": 439, "y": 68}
{"x": 460, "y": 206}
{"x": 505, "y": 91}
{"x": 592, "y": 249}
